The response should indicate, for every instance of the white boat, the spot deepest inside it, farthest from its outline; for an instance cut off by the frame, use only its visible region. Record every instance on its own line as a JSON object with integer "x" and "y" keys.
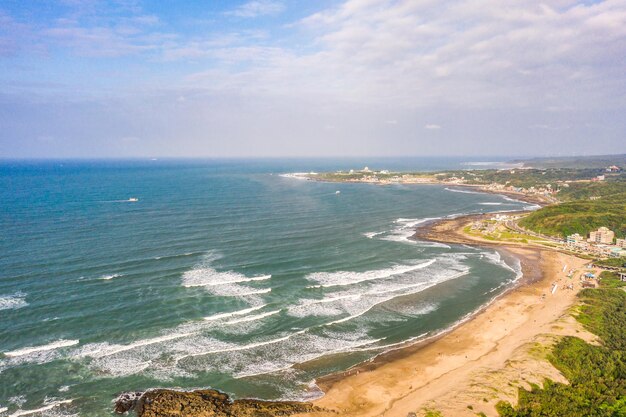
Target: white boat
{"x": 133, "y": 200}
{"x": 337, "y": 192}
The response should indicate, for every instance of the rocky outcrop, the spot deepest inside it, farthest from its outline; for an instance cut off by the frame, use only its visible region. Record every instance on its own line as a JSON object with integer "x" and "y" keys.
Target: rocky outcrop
{"x": 204, "y": 403}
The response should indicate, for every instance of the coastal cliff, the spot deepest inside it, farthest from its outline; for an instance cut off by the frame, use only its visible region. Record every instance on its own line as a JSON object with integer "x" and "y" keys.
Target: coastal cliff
{"x": 204, "y": 403}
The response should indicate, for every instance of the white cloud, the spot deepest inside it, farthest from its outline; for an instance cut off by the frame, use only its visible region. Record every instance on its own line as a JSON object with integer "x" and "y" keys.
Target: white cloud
{"x": 432, "y": 127}
{"x": 257, "y": 8}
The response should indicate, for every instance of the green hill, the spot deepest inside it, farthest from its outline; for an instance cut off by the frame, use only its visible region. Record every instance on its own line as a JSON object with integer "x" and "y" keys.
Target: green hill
{"x": 580, "y": 216}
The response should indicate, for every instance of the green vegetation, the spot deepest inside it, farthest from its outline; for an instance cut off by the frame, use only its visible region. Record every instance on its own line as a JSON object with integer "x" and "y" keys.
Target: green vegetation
{"x": 580, "y": 217}
{"x": 611, "y": 262}
{"x": 610, "y": 279}
{"x": 596, "y": 161}
{"x": 597, "y": 374}
{"x": 561, "y": 179}
{"x": 433, "y": 413}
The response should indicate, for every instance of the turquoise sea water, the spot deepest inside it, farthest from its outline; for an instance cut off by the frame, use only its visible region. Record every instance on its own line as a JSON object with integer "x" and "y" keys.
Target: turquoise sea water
{"x": 224, "y": 274}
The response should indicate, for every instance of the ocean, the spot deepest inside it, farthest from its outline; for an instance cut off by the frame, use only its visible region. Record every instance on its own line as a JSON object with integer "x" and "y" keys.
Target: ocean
{"x": 223, "y": 274}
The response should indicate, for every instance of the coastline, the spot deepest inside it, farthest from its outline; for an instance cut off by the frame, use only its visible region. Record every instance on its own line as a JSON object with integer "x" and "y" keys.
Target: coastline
{"x": 478, "y": 362}
{"x": 535, "y": 199}
{"x": 443, "y": 371}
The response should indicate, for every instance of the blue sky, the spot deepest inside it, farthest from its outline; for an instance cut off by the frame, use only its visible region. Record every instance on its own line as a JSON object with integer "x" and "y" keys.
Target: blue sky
{"x": 130, "y": 78}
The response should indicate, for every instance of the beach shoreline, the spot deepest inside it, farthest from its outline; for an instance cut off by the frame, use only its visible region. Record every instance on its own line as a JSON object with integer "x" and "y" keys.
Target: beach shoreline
{"x": 441, "y": 373}
{"x": 433, "y": 372}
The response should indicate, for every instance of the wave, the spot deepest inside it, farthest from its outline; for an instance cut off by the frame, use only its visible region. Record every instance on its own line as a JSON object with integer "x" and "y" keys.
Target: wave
{"x": 263, "y": 369}
{"x": 13, "y": 302}
{"x": 105, "y": 349}
{"x": 496, "y": 259}
{"x": 236, "y": 348}
{"x": 191, "y": 350}
{"x": 234, "y": 313}
{"x": 47, "y": 407}
{"x": 456, "y": 190}
{"x": 405, "y": 229}
{"x": 221, "y": 283}
{"x": 109, "y": 277}
{"x": 379, "y": 300}
{"x": 342, "y": 278}
{"x": 208, "y": 277}
{"x": 352, "y": 301}
{"x": 176, "y": 255}
{"x": 490, "y": 204}
{"x": 332, "y": 299}
{"x": 402, "y": 343}
{"x": 253, "y": 318}
{"x": 36, "y": 349}
{"x": 371, "y": 235}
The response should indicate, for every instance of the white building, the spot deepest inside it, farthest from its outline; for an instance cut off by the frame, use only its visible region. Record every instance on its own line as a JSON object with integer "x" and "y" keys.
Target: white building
{"x": 572, "y": 240}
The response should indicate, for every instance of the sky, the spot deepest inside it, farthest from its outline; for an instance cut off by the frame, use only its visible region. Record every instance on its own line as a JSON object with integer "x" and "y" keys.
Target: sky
{"x": 286, "y": 78}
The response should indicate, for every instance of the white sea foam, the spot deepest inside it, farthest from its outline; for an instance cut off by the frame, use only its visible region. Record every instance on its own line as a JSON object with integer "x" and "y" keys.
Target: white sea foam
{"x": 208, "y": 277}
{"x": 43, "y": 409}
{"x": 457, "y": 190}
{"x": 36, "y": 349}
{"x": 371, "y": 235}
{"x": 105, "y": 349}
{"x": 297, "y": 175}
{"x": 238, "y": 291}
{"x": 253, "y": 318}
{"x": 496, "y": 259}
{"x": 331, "y": 347}
{"x": 405, "y": 229}
{"x": 236, "y": 348}
{"x": 342, "y": 278}
{"x": 109, "y": 277}
{"x": 490, "y": 204}
{"x": 234, "y": 313}
{"x": 193, "y": 347}
{"x": 222, "y": 283}
{"x": 353, "y": 301}
{"x": 393, "y": 345}
{"x": 13, "y": 301}
{"x": 332, "y": 299}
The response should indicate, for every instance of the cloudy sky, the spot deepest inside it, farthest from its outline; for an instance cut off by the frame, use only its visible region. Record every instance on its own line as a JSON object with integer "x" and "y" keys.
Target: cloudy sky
{"x": 218, "y": 78}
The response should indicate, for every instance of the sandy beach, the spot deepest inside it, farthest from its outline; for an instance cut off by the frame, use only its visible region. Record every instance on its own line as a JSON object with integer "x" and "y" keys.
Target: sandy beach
{"x": 478, "y": 363}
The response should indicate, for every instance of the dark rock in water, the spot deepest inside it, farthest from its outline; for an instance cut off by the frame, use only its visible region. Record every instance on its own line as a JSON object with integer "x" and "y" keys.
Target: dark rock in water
{"x": 127, "y": 402}
{"x": 204, "y": 403}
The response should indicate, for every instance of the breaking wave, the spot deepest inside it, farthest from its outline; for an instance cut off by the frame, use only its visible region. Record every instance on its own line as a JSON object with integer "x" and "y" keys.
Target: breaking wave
{"x": 342, "y": 278}
{"x": 13, "y": 302}
{"x": 36, "y": 349}
{"x": 222, "y": 283}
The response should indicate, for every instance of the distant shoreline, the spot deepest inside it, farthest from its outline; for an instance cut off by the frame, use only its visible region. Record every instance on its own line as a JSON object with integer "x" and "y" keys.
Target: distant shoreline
{"x": 479, "y": 188}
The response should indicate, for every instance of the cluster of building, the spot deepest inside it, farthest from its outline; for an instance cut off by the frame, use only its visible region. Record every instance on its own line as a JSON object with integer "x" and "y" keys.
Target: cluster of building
{"x": 545, "y": 190}
{"x": 599, "y": 242}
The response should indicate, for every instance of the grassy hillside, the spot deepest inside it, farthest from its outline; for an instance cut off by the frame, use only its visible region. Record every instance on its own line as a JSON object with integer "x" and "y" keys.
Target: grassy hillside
{"x": 597, "y": 374}
{"x": 595, "y": 161}
{"x": 580, "y": 217}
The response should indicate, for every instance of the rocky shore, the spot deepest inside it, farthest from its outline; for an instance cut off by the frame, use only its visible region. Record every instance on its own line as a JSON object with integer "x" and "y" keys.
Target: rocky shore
{"x": 204, "y": 403}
